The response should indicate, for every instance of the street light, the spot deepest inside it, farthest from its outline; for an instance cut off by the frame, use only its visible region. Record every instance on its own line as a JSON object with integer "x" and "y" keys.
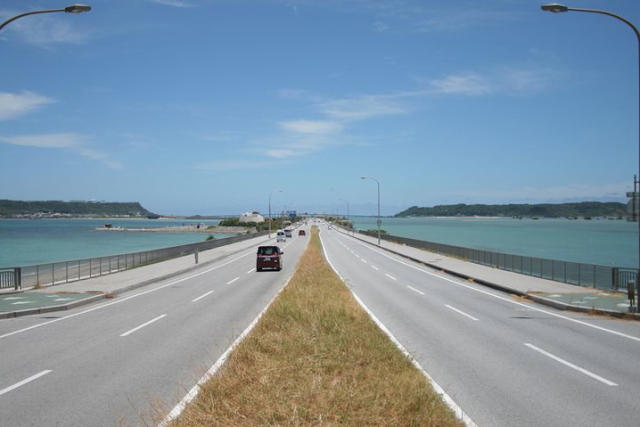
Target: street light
{"x": 559, "y": 8}
{"x": 74, "y": 8}
{"x": 378, "y": 182}
{"x": 280, "y": 191}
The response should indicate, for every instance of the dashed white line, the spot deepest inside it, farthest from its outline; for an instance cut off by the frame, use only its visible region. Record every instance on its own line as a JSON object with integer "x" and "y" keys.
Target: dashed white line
{"x": 202, "y": 296}
{"x": 571, "y": 365}
{"x": 230, "y": 282}
{"x": 390, "y": 277}
{"x": 461, "y": 312}
{"x": 415, "y": 290}
{"x": 251, "y": 271}
{"x": 375, "y": 268}
{"x": 363, "y": 260}
{"x": 142, "y": 326}
{"x": 23, "y": 382}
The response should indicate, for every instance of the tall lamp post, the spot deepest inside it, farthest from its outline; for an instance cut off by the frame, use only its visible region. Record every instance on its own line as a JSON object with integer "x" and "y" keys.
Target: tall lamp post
{"x": 75, "y": 8}
{"x": 378, "y": 222}
{"x": 279, "y": 190}
{"x": 559, "y": 8}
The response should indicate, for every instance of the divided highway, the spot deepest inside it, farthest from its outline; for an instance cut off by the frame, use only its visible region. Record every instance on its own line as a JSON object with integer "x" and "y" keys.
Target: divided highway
{"x": 504, "y": 361}
{"x": 117, "y": 362}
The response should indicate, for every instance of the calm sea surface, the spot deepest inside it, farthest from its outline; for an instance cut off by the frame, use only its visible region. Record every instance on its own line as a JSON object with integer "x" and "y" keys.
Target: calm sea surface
{"x": 28, "y": 242}
{"x": 597, "y": 241}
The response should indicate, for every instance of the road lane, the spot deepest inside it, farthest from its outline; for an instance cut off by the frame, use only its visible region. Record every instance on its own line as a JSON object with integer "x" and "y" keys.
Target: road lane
{"x": 484, "y": 364}
{"x": 98, "y": 377}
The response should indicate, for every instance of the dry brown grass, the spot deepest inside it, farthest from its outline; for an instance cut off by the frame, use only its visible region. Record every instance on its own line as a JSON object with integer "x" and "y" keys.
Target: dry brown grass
{"x": 316, "y": 359}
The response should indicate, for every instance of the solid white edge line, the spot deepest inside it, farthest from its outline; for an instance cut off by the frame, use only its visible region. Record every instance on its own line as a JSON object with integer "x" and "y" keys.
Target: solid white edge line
{"x": 461, "y": 312}
{"x": 202, "y": 296}
{"x": 528, "y": 306}
{"x": 390, "y": 277}
{"x": 143, "y": 325}
{"x": 457, "y": 410}
{"x": 177, "y": 410}
{"x": 230, "y": 282}
{"x": 23, "y": 382}
{"x": 99, "y": 307}
{"x": 571, "y": 365}
{"x": 415, "y": 290}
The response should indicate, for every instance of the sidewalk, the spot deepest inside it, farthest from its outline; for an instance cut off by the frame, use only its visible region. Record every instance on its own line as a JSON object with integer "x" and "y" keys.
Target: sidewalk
{"x": 69, "y": 295}
{"x": 562, "y": 296}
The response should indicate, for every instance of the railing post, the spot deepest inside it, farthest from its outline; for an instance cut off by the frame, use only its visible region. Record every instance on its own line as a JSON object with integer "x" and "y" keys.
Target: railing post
{"x": 17, "y": 278}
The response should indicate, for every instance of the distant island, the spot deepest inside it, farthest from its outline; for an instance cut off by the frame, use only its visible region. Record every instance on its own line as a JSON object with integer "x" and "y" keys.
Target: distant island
{"x": 561, "y": 210}
{"x": 72, "y": 209}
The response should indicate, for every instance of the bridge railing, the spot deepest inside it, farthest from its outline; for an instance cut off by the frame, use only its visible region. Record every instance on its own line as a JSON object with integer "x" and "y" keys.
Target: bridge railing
{"x": 70, "y": 271}
{"x": 581, "y": 274}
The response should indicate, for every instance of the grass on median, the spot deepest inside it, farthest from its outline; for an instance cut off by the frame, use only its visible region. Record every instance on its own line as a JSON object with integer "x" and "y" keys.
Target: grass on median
{"x": 316, "y": 358}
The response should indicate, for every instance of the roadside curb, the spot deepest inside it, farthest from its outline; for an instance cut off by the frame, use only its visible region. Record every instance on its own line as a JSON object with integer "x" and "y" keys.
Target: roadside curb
{"x": 89, "y": 300}
{"x": 535, "y": 298}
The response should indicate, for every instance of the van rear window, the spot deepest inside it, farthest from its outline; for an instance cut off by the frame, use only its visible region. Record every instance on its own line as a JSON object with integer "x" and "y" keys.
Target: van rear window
{"x": 268, "y": 250}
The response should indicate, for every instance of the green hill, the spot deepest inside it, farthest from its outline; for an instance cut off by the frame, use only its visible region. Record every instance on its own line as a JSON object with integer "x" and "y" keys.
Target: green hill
{"x": 560, "y": 210}
{"x": 19, "y": 208}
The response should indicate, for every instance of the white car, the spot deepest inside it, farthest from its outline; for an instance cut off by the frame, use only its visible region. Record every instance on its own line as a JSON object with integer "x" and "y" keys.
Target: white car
{"x": 280, "y": 236}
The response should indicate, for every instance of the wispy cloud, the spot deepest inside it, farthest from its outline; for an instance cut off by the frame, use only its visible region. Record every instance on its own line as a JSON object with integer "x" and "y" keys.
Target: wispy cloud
{"x": 233, "y": 164}
{"x": 311, "y": 126}
{"x": 76, "y": 143}
{"x": 173, "y": 3}
{"x": 47, "y": 30}
{"x": 14, "y": 105}
{"x": 462, "y": 84}
{"x": 360, "y": 108}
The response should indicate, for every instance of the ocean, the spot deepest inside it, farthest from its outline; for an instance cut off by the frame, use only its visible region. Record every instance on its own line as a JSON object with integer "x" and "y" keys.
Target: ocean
{"x": 42, "y": 241}
{"x": 597, "y": 241}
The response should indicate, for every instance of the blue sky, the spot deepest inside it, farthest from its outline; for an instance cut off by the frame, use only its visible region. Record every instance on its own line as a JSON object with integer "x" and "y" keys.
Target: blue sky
{"x": 207, "y": 106}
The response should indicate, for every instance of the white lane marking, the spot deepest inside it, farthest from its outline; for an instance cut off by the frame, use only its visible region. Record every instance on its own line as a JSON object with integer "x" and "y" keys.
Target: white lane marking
{"x": 143, "y": 325}
{"x": 362, "y": 259}
{"x": 415, "y": 290}
{"x": 231, "y": 281}
{"x": 22, "y": 302}
{"x": 461, "y": 312}
{"x": 23, "y": 382}
{"x": 390, "y": 277}
{"x": 374, "y": 267}
{"x": 571, "y": 365}
{"x": 527, "y": 306}
{"x": 357, "y": 256}
{"x": 177, "y": 410}
{"x": 12, "y": 298}
{"x": 251, "y": 271}
{"x": 119, "y": 301}
{"x": 62, "y": 299}
{"x": 447, "y": 399}
{"x": 202, "y": 296}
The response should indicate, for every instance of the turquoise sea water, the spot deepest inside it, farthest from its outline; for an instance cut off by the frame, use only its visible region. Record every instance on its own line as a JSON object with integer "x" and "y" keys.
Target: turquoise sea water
{"x": 596, "y": 241}
{"x": 28, "y": 242}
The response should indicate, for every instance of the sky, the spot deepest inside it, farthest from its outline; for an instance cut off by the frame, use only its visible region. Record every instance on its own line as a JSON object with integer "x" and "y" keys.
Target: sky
{"x": 211, "y": 106}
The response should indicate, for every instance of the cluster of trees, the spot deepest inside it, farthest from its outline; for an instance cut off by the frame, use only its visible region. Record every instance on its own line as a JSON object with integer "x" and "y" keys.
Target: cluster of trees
{"x": 276, "y": 223}
{"x": 13, "y": 208}
{"x": 561, "y": 210}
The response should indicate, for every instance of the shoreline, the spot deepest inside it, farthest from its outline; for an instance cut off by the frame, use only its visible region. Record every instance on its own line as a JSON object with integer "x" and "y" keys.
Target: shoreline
{"x": 180, "y": 229}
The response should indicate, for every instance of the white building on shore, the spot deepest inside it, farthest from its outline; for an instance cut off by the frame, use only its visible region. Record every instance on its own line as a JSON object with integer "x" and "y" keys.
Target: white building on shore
{"x": 251, "y": 217}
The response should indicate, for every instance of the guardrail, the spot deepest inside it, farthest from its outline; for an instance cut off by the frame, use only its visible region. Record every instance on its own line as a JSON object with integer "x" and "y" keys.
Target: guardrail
{"x": 588, "y": 275}
{"x": 71, "y": 271}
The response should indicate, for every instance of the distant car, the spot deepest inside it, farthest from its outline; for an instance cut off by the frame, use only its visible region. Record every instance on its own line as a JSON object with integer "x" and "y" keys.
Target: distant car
{"x": 280, "y": 236}
{"x": 269, "y": 257}
{"x": 302, "y": 233}
{"x": 287, "y": 233}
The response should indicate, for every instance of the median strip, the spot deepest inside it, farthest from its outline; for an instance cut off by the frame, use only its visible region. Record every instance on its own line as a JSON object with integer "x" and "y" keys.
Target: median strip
{"x": 316, "y": 358}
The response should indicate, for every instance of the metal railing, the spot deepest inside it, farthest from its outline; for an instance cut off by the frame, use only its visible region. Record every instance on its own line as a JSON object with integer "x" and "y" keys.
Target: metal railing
{"x": 588, "y": 275}
{"x": 71, "y": 271}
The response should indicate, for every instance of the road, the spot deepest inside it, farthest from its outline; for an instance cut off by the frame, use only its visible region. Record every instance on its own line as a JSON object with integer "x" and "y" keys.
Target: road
{"x": 135, "y": 356}
{"x": 504, "y": 361}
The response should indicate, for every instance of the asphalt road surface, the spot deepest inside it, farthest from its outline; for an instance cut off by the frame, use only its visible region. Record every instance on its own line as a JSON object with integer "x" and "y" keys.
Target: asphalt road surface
{"x": 121, "y": 361}
{"x": 504, "y": 361}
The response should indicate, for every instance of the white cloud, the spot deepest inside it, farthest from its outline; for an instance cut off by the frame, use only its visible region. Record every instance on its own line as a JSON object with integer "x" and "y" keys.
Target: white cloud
{"x": 13, "y": 105}
{"x": 362, "y": 108}
{"x": 463, "y": 84}
{"x": 76, "y": 143}
{"x": 173, "y": 3}
{"x": 228, "y": 165}
{"x": 311, "y": 126}
{"x": 48, "y": 30}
